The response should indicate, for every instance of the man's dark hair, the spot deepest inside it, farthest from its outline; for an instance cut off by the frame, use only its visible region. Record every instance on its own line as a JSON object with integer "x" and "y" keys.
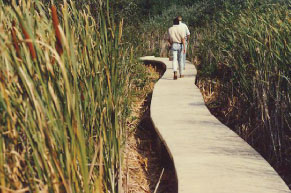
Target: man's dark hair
{"x": 176, "y": 21}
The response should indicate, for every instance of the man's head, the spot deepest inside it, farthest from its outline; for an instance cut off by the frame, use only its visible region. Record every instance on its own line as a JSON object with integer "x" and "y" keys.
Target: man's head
{"x": 179, "y": 18}
{"x": 176, "y": 21}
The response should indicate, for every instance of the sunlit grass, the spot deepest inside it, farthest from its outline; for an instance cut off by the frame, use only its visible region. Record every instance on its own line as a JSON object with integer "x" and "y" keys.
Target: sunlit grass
{"x": 64, "y": 98}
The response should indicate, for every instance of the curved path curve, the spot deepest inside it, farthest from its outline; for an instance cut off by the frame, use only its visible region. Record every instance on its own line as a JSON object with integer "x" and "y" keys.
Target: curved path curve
{"x": 208, "y": 156}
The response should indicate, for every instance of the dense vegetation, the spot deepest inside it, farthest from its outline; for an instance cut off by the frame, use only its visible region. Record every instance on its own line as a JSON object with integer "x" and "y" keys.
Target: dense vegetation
{"x": 65, "y": 97}
{"x": 66, "y": 73}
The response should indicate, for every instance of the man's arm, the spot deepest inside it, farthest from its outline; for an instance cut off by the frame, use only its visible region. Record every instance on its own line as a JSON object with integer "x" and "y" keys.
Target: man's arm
{"x": 169, "y": 38}
{"x": 183, "y": 35}
{"x": 170, "y": 41}
{"x": 184, "y": 45}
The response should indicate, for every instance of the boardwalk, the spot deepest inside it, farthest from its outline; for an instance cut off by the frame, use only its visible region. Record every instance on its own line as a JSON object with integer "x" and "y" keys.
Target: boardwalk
{"x": 208, "y": 156}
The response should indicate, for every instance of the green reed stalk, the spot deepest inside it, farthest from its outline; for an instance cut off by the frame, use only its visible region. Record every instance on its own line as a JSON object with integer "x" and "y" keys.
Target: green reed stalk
{"x": 63, "y": 81}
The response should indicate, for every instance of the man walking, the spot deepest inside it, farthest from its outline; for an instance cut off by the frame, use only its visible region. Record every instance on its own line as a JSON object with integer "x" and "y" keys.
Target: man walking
{"x": 177, "y": 41}
{"x": 187, "y": 38}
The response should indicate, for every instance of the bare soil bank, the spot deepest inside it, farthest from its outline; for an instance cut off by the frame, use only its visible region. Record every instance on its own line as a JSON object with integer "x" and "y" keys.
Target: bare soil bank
{"x": 148, "y": 167}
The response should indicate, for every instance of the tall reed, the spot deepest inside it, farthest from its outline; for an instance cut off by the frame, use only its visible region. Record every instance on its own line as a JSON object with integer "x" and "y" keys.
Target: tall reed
{"x": 64, "y": 98}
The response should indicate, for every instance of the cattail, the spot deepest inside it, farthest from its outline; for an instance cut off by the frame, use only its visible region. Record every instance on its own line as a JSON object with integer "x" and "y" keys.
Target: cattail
{"x": 59, "y": 46}
{"x": 15, "y": 40}
{"x": 28, "y": 43}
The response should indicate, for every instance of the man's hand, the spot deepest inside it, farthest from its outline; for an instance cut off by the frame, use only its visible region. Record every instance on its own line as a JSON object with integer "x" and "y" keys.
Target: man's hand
{"x": 169, "y": 45}
{"x": 184, "y": 51}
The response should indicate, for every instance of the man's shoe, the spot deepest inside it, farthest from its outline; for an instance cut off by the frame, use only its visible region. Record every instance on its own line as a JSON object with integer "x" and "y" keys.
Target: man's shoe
{"x": 175, "y": 76}
{"x": 181, "y": 76}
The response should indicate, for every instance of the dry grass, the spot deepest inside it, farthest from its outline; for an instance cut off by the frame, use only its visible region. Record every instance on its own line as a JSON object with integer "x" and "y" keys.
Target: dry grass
{"x": 136, "y": 163}
{"x": 65, "y": 92}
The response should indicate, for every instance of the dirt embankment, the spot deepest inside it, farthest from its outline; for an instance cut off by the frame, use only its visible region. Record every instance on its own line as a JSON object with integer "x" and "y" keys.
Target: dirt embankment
{"x": 148, "y": 167}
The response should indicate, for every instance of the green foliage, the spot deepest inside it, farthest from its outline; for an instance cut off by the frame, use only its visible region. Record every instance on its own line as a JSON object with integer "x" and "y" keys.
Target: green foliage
{"x": 149, "y": 34}
{"x": 64, "y": 98}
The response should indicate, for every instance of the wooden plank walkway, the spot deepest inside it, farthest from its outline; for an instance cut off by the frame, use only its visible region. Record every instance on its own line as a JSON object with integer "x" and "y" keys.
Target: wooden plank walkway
{"x": 208, "y": 156}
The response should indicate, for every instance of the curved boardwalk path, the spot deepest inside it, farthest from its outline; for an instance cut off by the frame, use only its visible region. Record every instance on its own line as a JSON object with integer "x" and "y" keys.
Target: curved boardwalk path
{"x": 208, "y": 156}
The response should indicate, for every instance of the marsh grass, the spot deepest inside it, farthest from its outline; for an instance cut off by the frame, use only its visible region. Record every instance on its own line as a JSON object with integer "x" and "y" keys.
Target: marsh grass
{"x": 64, "y": 98}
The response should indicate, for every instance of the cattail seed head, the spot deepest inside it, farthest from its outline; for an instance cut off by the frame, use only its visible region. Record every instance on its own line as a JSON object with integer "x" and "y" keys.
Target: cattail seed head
{"x": 29, "y": 43}
{"x": 15, "y": 40}
{"x": 55, "y": 19}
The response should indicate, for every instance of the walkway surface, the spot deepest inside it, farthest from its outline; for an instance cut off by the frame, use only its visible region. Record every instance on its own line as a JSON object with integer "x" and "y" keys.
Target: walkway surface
{"x": 208, "y": 156}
